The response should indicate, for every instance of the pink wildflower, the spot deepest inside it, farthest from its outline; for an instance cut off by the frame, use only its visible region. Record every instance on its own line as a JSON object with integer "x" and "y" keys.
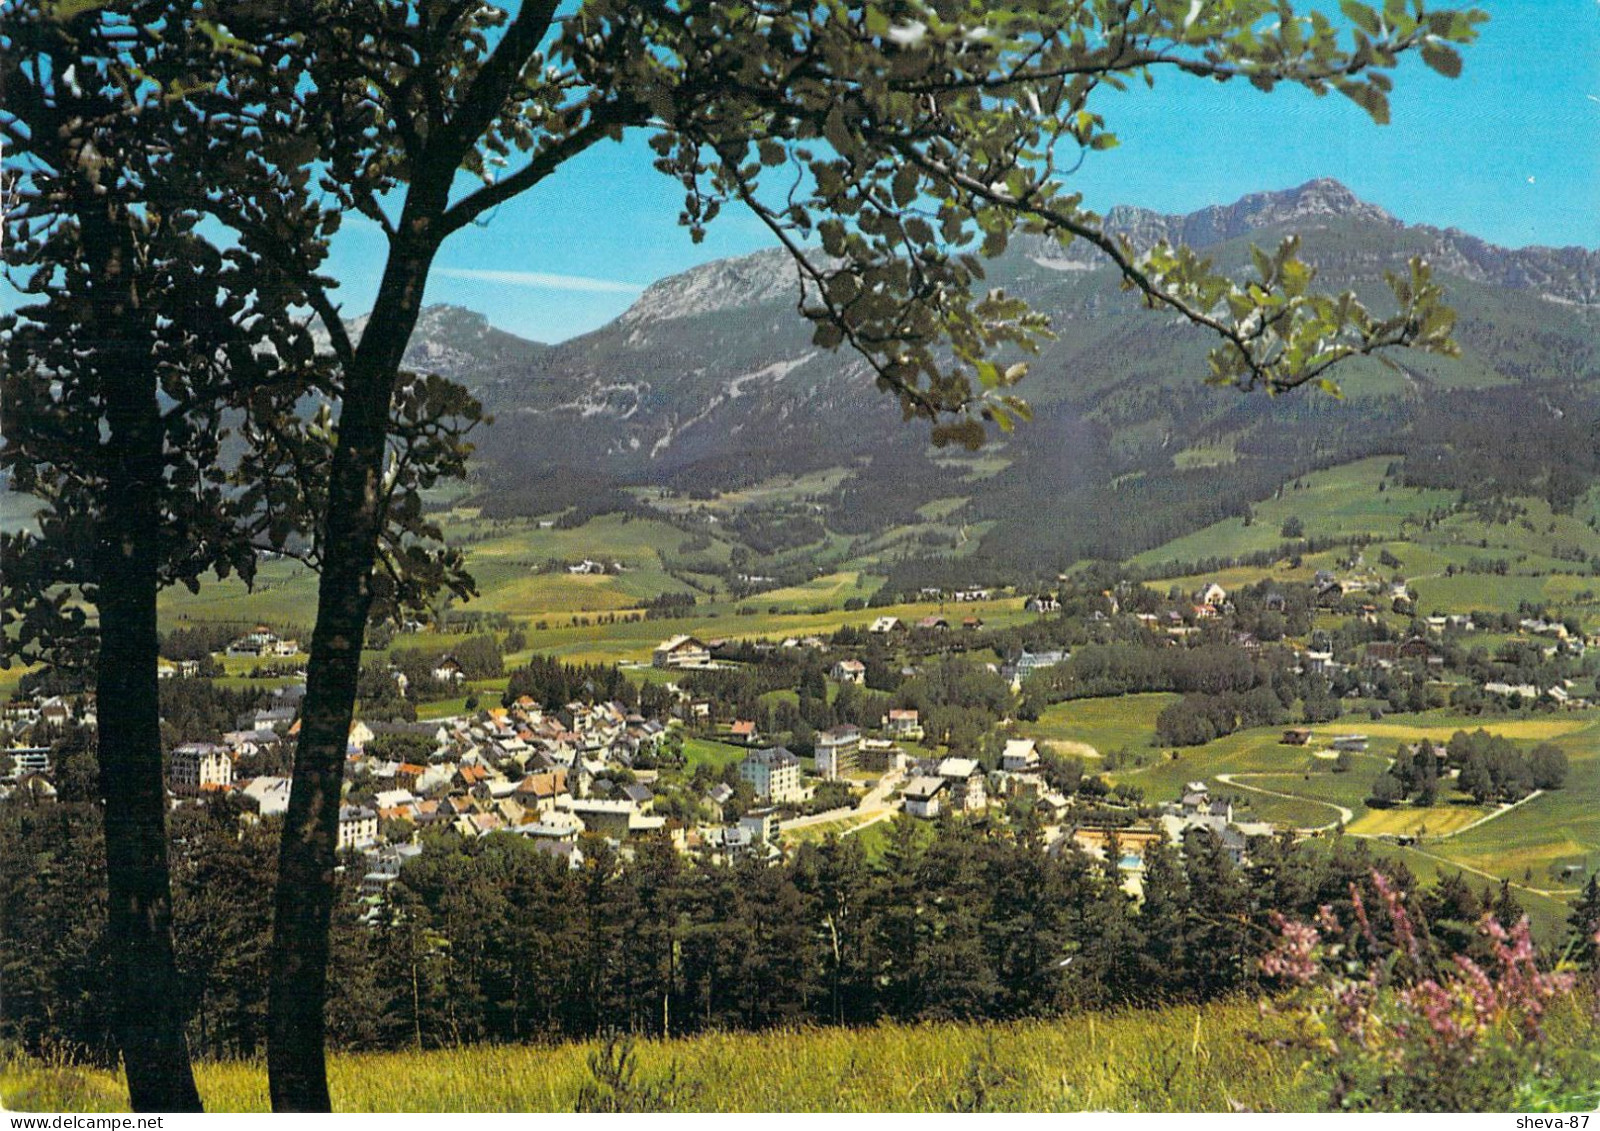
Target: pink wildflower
{"x": 1361, "y": 914}
{"x": 1394, "y": 902}
{"x": 1329, "y": 922}
{"x": 1294, "y": 956}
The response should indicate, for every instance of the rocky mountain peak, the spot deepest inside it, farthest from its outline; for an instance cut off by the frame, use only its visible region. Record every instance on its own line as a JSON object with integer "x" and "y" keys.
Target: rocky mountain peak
{"x": 750, "y": 280}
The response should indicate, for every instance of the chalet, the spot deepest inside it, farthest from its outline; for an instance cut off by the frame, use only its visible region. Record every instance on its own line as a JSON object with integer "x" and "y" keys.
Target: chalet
{"x": 774, "y": 773}
{"x": 681, "y": 652}
{"x": 359, "y": 735}
{"x": 836, "y": 749}
{"x": 904, "y": 723}
{"x": 1295, "y": 736}
{"x": 249, "y": 743}
{"x": 1211, "y": 594}
{"x": 935, "y": 623}
{"x": 1352, "y": 743}
{"x": 966, "y": 783}
{"x": 1020, "y": 756}
{"x": 55, "y": 711}
{"x": 849, "y": 671}
{"x": 884, "y": 625}
{"x": 718, "y": 796}
{"x": 1043, "y": 603}
{"x": 743, "y": 730}
{"x": 971, "y": 624}
{"x": 971, "y": 594}
{"x": 1330, "y": 596}
{"x": 196, "y": 767}
{"x": 923, "y": 796}
{"x": 1318, "y": 662}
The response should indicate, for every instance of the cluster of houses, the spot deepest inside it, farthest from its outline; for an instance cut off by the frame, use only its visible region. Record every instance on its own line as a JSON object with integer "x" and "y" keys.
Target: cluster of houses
{"x": 1559, "y": 694}
{"x": 518, "y": 769}
{"x": 934, "y": 593}
{"x": 960, "y": 785}
{"x": 1194, "y": 813}
{"x": 262, "y": 643}
{"x": 27, "y": 728}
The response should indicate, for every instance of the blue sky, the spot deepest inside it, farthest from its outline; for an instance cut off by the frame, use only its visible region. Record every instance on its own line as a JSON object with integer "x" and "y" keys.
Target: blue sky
{"x": 1509, "y": 152}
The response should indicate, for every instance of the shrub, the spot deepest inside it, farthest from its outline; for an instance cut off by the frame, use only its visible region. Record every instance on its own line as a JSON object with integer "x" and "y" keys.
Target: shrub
{"x": 1392, "y": 1027}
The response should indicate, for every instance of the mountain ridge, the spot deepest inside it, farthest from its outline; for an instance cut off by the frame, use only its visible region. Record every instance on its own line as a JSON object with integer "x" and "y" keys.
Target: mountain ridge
{"x": 711, "y": 380}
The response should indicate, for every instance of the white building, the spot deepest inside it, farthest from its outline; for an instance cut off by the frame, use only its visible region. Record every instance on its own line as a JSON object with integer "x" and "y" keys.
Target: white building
{"x": 358, "y": 827}
{"x": 837, "y": 748}
{"x": 903, "y": 723}
{"x": 270, "y": 795}
{"x": 1021, "y": 755}
{"x": 849, "y": 671}
{"x": 966, "y": 783}
{"x": 774, "y": 773}
{"x": 197, "y": 766}
{"x": 923, "y": 797}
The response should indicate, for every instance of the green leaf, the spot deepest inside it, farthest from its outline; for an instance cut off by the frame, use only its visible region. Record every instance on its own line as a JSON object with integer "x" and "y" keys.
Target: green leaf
{"x": 1362, "y": 16}
{"x": 1442, "y": 58}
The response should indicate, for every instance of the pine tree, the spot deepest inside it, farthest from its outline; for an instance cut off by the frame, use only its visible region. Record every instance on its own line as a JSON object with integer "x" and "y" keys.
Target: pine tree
{"x": 1584, "y": 926}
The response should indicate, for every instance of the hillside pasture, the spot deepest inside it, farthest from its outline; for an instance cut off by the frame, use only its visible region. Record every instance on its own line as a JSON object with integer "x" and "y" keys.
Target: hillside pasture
{"x": 1107, "y": 724}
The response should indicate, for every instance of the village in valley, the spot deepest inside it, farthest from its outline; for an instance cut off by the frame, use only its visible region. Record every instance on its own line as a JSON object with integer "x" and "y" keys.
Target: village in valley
{"x": 1356, "y": 706}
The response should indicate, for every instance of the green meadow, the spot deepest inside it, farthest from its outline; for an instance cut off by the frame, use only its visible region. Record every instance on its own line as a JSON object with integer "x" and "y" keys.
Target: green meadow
{"x": 1220, "y": 1057}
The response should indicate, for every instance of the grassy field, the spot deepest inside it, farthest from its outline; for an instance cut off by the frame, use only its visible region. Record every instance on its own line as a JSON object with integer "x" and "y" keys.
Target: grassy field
{"x": 1209, "y": 1058}
{"x": 1339, "y": 501}
{"x": 1531, "y": 844}
{"x": 1231, "y": 1056}
{"x": 709, "y": 750}
{"x": 1105, "y": 724}
{"x": 1547, "y": 556}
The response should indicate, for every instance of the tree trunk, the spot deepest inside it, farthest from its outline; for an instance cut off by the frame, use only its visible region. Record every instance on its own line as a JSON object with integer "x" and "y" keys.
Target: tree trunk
{"x": 146, "y": 995}
{"x": 296, "y": 1039}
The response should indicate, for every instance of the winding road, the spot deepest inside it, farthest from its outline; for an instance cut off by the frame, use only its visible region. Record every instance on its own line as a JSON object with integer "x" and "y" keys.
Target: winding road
{"x": 1345, "y": 815}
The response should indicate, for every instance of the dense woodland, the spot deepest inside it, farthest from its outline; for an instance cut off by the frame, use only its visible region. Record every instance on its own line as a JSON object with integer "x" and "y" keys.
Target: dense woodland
{"x": 492, "y": 940}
